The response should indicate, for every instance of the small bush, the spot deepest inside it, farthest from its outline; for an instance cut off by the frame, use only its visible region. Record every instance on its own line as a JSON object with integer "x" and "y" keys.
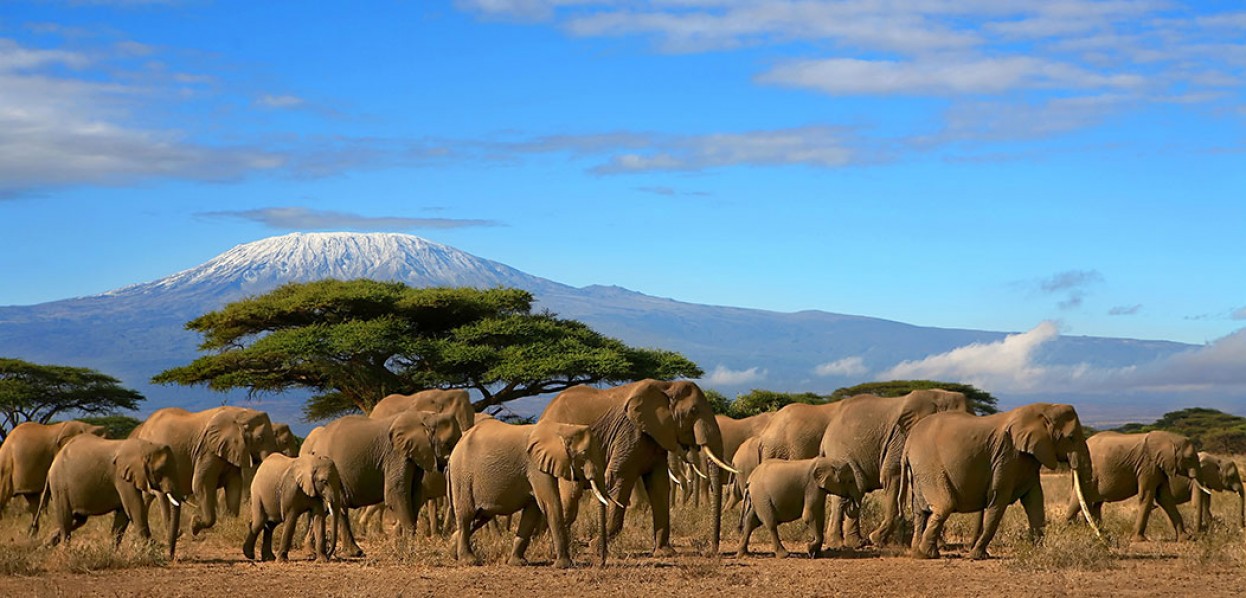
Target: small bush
{"x": 83, "y": 556}
{"x": 21, "y": 558}
{"x": 1063, "y": 547}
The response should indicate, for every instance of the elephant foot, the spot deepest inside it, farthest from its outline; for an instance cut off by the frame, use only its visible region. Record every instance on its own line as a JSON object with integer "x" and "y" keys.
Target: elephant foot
{"x": 353, "y": 552}
{"x": 854, "y": 542}
{"x": 279, "y": 558}
{"x": 780, "y": 553}
{"x": 1139, "y": 538}
{"x": 517, "y": 561}
{"x": 877, "y": 538}
{"x": 923, "y": 554}
{"x": 563, "y": 563}
{"x": 978, "y": 554}
{"x": 741, "y": 553}
{"x": 814, "y": 550}
{"x": 250, "y": 554}
{"x": 664, "y": 551}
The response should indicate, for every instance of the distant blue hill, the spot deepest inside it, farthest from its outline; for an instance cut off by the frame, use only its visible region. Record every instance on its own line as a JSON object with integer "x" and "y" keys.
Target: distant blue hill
{"x": 137, "y": 331}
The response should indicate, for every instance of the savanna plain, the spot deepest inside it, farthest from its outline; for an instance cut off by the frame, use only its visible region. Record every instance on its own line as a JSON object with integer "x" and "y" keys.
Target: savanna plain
{"x": 1070, "y": 561}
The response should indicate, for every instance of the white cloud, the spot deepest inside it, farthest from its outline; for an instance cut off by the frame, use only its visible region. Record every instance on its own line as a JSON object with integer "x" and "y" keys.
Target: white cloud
{"x": 1006, "y": 366}
{"x": 848, "y": 366}
{"x": 724, "y": 375}
{"x": 1220, "y": 364}
{"x": 279, "y": 101}
{"x": 296, "y": 218}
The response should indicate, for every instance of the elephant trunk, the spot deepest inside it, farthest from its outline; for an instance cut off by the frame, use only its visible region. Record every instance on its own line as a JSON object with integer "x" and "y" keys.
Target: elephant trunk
{"x": 602, "y": 531}
{"x": 709, "y": 439}
{"x": 1079, "y": 463}
{"x": 174, "y": 524}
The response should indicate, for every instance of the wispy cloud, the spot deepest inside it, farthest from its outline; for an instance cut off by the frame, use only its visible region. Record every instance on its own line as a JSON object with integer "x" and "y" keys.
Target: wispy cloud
{"x": 279, "y": 101}
{"x": 1005, "y": 365}
{"x": 1071, "y": 284}
{"x": 1125, "y": 310}
{"x": 296, "y": 218}
{"x": 848, "y": 366}
{"x": 725, "y": 376}
{"x": 1238, "y": 314}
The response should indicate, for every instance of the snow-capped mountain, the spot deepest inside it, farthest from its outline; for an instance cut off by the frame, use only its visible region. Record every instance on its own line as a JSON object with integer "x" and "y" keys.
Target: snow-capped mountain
{"x": 137, "y": 331}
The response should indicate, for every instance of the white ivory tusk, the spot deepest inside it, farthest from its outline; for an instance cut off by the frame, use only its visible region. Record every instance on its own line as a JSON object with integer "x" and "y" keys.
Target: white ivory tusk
{"x": 1081, "y": 499}
{"x": 677, "y": 481}
{"x": 698, "y": 471}
{"x": 600, "y": 498}
{"x": 172, "y": 501}
{"x": 719, "y": 462}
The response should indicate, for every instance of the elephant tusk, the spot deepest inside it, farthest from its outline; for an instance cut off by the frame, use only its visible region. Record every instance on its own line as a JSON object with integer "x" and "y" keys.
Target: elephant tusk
{"x": 597, "y": 494}
{"x": 1081, "y": 499}
{"x": 698, "y": 471}
{"x": 172, "y": 501}
{"x": 1200, "y": 487}
{"x": 719, "y": 462}
{"x": 677, "y": 481}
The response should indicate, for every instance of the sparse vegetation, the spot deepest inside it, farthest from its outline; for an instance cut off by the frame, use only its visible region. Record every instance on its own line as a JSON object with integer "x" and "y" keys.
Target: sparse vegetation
{"x": 31, "y": 392}
{"x": 1210, "y": 430}
{"x": 980, "y": 401}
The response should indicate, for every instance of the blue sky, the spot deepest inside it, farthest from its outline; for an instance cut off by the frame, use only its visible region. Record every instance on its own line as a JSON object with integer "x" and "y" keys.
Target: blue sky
{"x": 970, "y": 164}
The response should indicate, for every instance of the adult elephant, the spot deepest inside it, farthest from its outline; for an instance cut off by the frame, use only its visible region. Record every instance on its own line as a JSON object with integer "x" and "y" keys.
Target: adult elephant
{"x": 500, "y": 469}
{"x": 384, "y": 460}
{"x": 214, "y": 448}
{"x": 868, "y": 432}
{"x": 96, "y": 476}
{"x": 956, "y": 462}
{"x": 638, "y": 424}
{"x": 1214, "y": 473}
{"x": 1141, "y": 465}
{"x": 287, "y": 442}
{"x": 735, "y": 432}
{"x": 27, "y": 454}
{"x": 455, "y": 403}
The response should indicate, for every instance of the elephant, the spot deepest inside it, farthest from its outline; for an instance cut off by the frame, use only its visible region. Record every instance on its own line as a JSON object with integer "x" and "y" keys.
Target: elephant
{"x": 955, "y": 462}
{"x": 500, "y": 469}
{"x": 780, "y": 491}
{"x": 638, "y": 424}
{"x": 27, "y": 454}
{"x": 745, "y": 460}
{"x": 735, "y": 432}
{"x": 384, "y": 460}
{"x": 456, "y": 402}
{"x": 1214, "y": 473}
{"x": 1128, "y": 465}
{"x": 214, "y": 448}
{"x": 283, "y": 489}
{"x": 868, "y": 433}
{"x": 287, "y": 442}
{"x": 96, "y": 476}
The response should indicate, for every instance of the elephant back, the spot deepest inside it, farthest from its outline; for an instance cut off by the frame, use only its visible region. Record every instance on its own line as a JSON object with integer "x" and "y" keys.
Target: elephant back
{"x": 795, "y": 431}
{"x": 456, "y": 402}
{"x": 181, "y": 430}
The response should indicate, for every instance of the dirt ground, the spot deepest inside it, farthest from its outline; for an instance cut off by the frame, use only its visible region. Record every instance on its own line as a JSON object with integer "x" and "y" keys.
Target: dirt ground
{"x": 214, "y": 566}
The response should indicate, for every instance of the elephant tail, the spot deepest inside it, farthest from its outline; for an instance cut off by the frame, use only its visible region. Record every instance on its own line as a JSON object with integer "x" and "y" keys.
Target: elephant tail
{"x": 906, "y": 485}
{"x": 43, "y": 503}
{"x": 7, "y": 471}
{"x": 746, "y": 505}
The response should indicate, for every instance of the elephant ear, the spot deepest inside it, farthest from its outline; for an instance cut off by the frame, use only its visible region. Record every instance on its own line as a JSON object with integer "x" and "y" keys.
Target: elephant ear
{"x": 410, "y": 435}
{"x": 132, "y": 464}
{"x": 553, "y": 446}
{"x": 305, "y": 475}
{"x": 1165, "y": 452}
{"x": 649, "y": 409}
{"x": 828, "y": 474}
{"x": 1032, "y": 434}
{"x": 224, "y": 438}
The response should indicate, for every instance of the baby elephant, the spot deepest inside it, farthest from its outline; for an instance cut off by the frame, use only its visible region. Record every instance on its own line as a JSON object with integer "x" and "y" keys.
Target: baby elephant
{"x": 499, "y": 469}
{"x": 779, "y": 491}
{"x": 283, "y": 489}
{"x": 96, "y": 476}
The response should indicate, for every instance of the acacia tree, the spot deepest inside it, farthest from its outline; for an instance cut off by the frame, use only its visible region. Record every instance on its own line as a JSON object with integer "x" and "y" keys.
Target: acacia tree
{"x": 353, "y": 342}
{"x": 980, "y": 401}
{"x": 41, "y": 393}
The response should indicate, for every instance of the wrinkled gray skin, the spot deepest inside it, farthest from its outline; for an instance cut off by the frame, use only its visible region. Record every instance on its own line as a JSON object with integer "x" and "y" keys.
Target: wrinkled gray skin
{"x": 868, "y": 432}
{"x": 955, "y": 462}
{"x": 734, "y": 433}
{"x": 27, "y": 454}
{"x": 456, "y": 403}
{"x": 283, "y": 489}
{"x": 214, "y": 448}
{"x": 1214, "y": 473}
{"x": 287, "y": 443}
{"x": 384, "y": 460}
{"x": 745, "y": 460}
{"x": 638, "y": 424}
{"x": 780, "y": 491}
{"x": 499, "y": 469}
{"x": 1141, "y": 465}
{"x": 95, "y": 476}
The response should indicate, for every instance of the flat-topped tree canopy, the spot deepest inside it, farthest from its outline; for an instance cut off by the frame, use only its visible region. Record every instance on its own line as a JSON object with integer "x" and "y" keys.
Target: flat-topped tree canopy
{"x": 354, "y": 342}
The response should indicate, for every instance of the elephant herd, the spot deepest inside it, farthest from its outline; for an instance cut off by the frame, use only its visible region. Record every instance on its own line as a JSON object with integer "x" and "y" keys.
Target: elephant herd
{"x": 639, "y": 441}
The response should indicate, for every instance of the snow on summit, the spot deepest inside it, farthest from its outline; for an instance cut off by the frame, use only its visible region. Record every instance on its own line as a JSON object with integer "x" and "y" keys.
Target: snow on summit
{"x": 299, "y": 257}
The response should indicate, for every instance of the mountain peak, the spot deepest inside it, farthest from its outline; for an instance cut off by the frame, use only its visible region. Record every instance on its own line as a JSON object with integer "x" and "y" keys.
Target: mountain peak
{"x": 262, "y": 265}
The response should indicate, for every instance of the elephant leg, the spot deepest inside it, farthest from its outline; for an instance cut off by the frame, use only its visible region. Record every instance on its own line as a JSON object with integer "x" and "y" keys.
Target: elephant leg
{"x": 545, "y": 490}
{"x": 814, "y": 516}
{"x": 749, "y": 522}
{"x": 990, "y": 523}
{"x": 266, "y": 553}
{"x": 253, "y": 534}
{"x": 852, "y": 524}
{"x": 926, "y": 545}
{"x": 1035, "y": 514}
{"x": 1073, "y": 510}
{"x": 975, "y": 529}
{"x": 432, "y": 519}
{"x": 658, "y": 484}
{"x": 119, "y": 522}
{"x": 1169, "y": 504}
{"x": 233, "y": 494}
{"x": 290, "y": 521}
{"x": 835, "y": 525}
{"x": 350, "y": 546}
{"x": 1145, "y": 498}
{"x": 528, "y": 521}
{"x": 206, "y": 517}
{"x": 467, "y": 522}
{"x": 891, "y": 513}
{"x": 621, "y": 488}
{"x": 768, "y": 519}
